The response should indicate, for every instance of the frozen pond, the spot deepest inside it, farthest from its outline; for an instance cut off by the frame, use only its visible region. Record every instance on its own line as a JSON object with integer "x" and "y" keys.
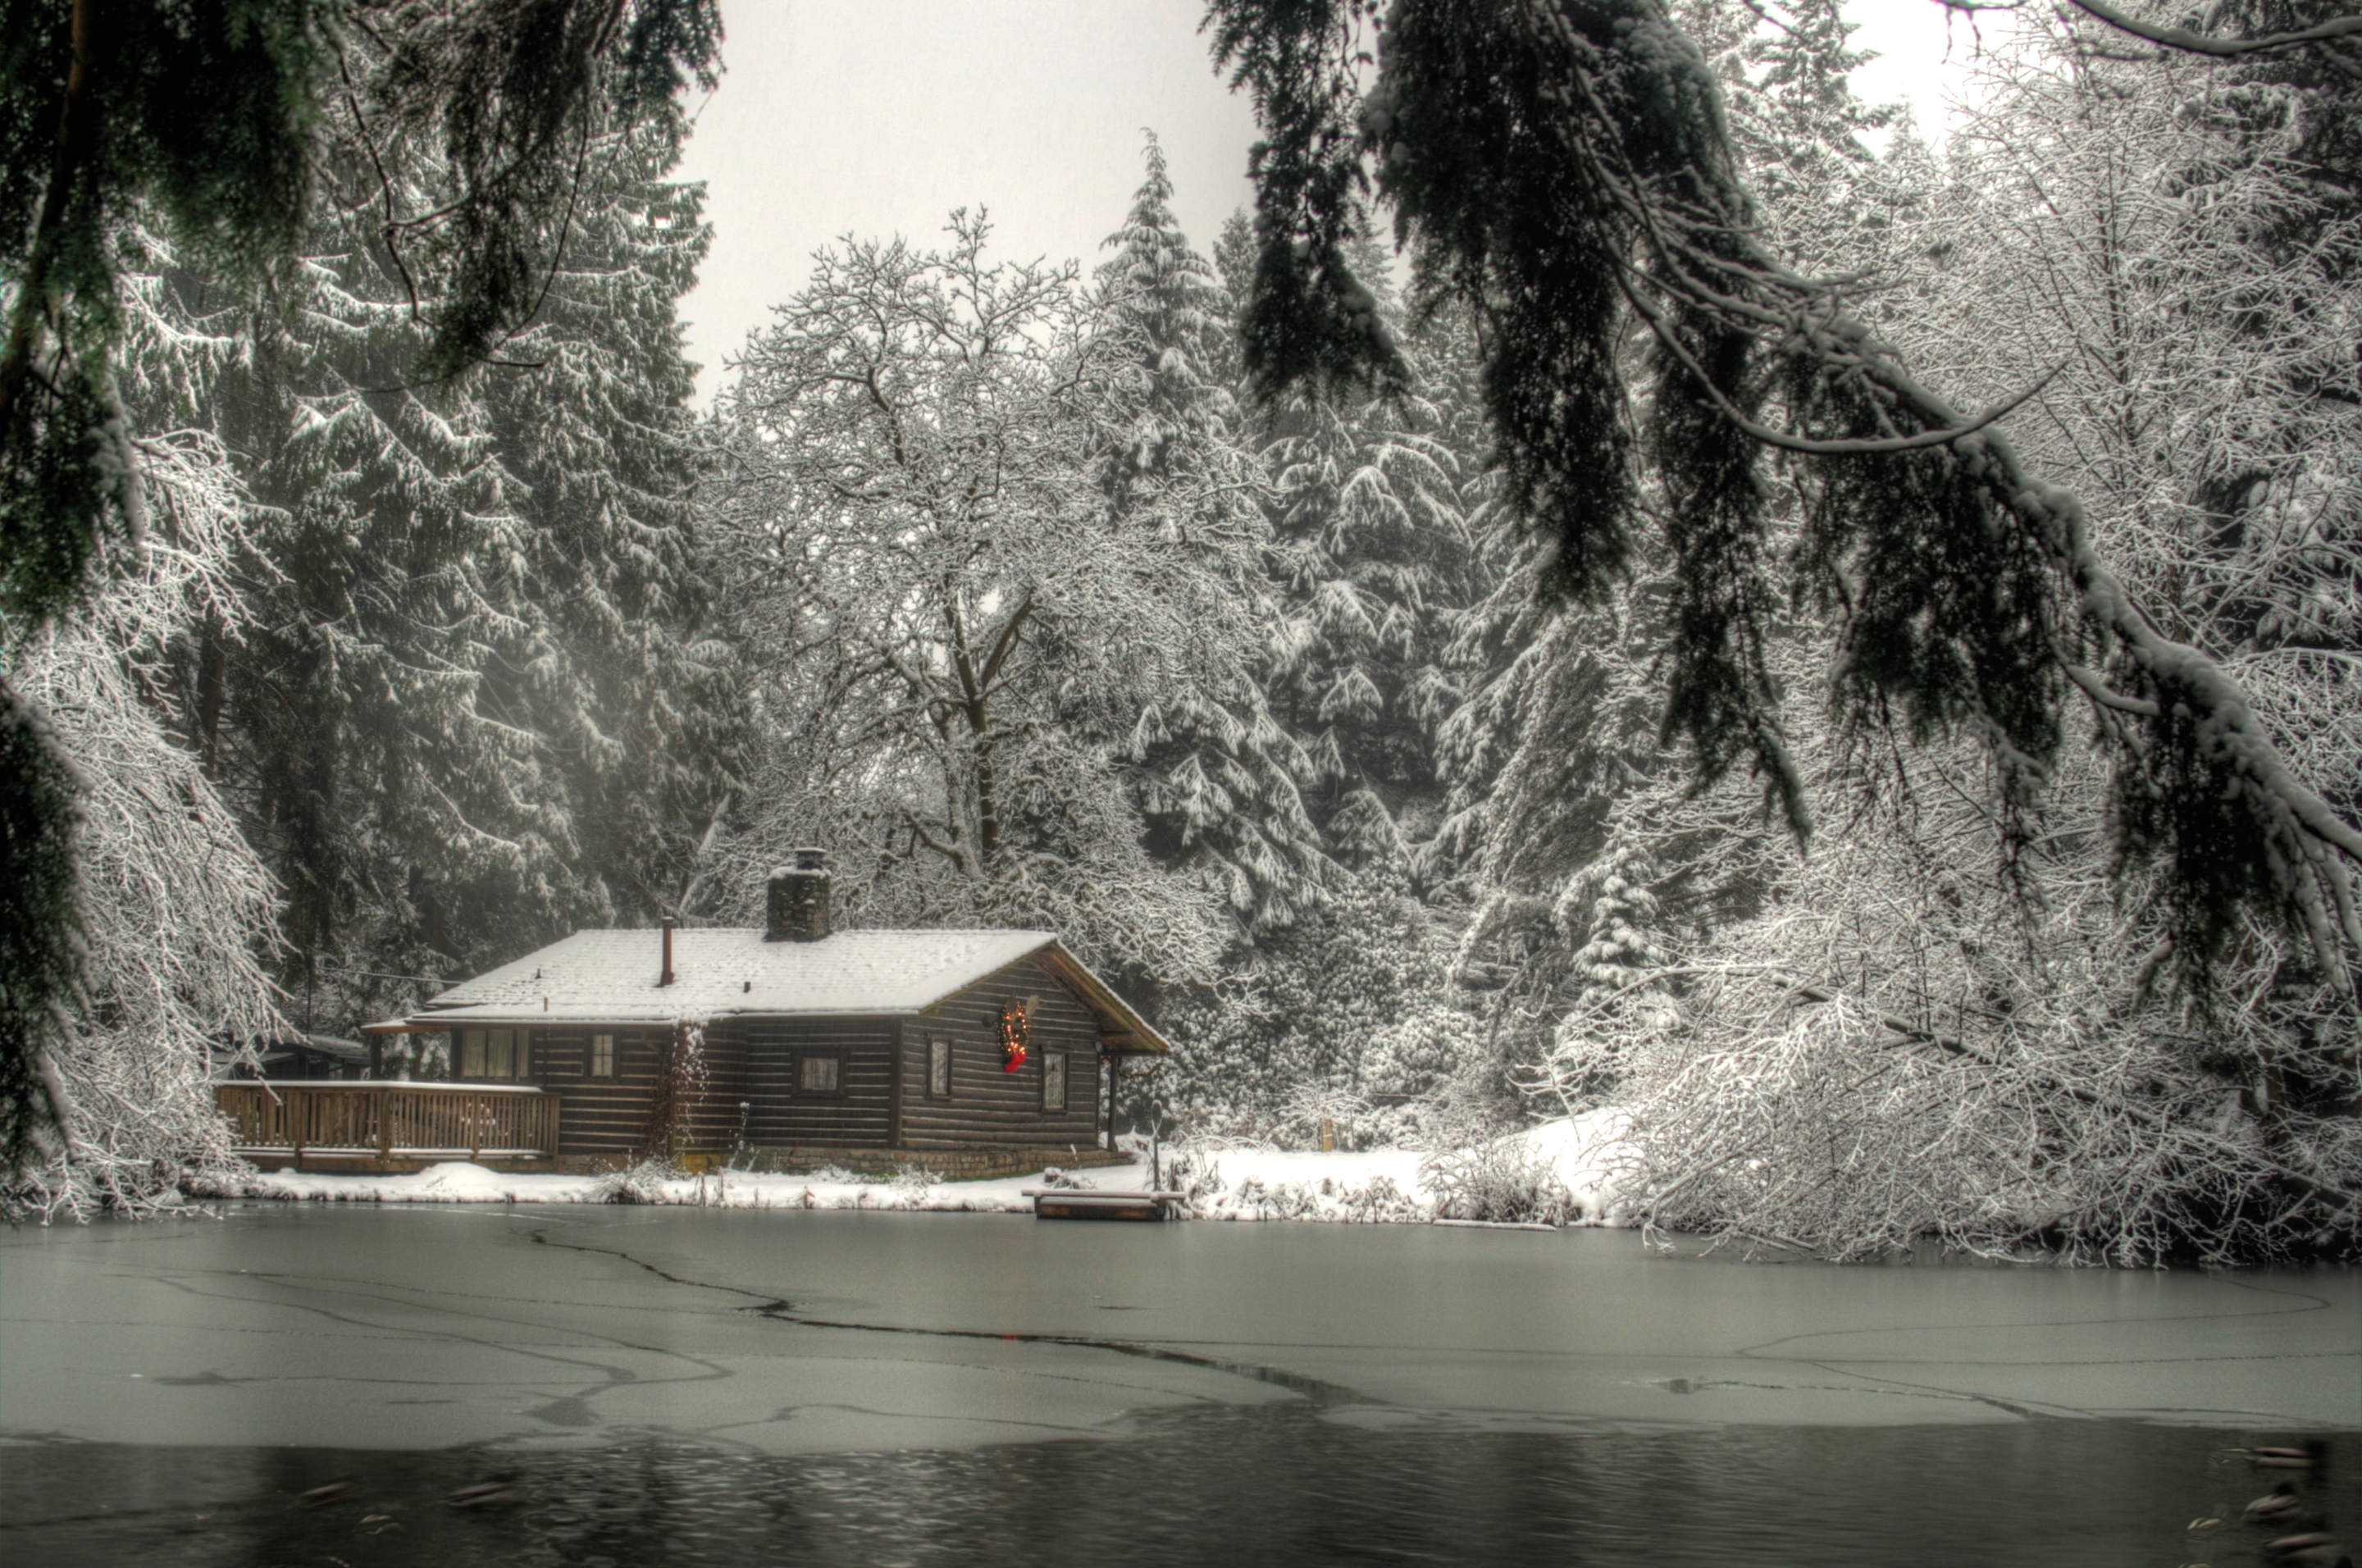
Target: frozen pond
{"x": 669, "y": 1384}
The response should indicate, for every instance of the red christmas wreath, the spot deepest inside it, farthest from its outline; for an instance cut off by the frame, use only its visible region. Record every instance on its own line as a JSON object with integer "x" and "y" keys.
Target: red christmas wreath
{"x": 1016, "y": 1034}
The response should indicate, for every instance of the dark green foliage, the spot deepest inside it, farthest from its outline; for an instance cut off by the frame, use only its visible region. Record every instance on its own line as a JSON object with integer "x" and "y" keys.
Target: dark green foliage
{"x": 63, "y": 459}
{"x": 516, "y": 90}
{"x": 1315, "y": 321}
{"x": 1948, "y": 607}
{"x": 38, "y": 952}
{"x": 1720, "y": 696}
{"x": 201, "y": 111}
{"x": 1566, "y": 165}
{"x": 1485, "y": 174}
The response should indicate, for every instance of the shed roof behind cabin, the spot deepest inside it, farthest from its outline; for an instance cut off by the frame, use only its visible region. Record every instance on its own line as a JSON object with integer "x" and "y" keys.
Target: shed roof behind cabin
{"x": 610, "y": 977}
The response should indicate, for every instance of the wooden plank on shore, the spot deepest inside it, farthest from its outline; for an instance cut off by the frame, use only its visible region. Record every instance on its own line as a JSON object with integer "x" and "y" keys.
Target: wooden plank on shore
{"x": 1096, "y": 1205}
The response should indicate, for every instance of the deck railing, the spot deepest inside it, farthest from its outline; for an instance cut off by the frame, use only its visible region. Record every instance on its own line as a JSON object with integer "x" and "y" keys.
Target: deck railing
{"x": 390, "y": 1120}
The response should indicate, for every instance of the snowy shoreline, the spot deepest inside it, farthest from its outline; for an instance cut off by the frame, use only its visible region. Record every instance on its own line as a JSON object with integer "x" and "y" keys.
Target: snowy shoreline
{"x": 1225, "y": 1182}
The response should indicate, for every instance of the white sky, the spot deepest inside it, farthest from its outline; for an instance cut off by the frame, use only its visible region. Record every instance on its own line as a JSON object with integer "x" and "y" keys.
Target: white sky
{"x": 877, "y": 117}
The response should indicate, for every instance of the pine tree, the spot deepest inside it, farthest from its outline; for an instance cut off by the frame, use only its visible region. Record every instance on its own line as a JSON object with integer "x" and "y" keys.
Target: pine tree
{"x": 1795, "y": 124}
{"x": 600, "y": 436}
{"x": 1378, "y": 558}
{"x": 1216, "y": 774}
{"x": 473, "y": 710}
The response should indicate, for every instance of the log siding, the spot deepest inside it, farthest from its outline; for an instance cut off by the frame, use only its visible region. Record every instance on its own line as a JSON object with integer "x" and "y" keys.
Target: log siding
{"x": 606, "y": 1117}
{"x": 742, "y": 1086}
{"x": 858, "y": 1115}
{"x": 989, "y": 1108}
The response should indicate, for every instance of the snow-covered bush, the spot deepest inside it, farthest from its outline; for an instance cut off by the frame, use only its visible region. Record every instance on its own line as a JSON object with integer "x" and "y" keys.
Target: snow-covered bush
{"x": 1902, "y": 1047}
{"x": 913, "y": 1183}
{"x": 1502, "y": 1180}
{"x": 1379, "y": 1201}
{"x": 642, "y": 1182}
{"x": 1193, "y": 1172}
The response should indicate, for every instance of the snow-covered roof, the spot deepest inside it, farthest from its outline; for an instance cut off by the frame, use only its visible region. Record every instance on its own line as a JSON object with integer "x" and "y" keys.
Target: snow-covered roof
{"x": 610, "y": 977}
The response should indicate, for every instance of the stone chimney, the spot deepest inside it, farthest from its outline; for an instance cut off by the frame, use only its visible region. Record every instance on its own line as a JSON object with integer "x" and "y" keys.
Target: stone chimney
{"x": 797, "y": 908}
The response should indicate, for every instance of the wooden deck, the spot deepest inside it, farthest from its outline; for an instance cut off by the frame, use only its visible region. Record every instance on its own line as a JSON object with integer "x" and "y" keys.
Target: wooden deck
{"x": 387, "y": 1127}
{"x": 1089, "y": 1203}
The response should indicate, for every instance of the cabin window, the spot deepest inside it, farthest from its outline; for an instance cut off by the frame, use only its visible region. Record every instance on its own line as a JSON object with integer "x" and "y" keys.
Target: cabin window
{"x": 819, "y": 1072}
{"x": 602, "y": 1056}
{"x": 493, "y": 1053}
{"x": 1054, "y": 1080}
{"x": 939, "y": 1067}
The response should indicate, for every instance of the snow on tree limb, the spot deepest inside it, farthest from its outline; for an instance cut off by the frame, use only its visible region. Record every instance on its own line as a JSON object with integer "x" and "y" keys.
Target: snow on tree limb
{"x": 1543, "y": 150}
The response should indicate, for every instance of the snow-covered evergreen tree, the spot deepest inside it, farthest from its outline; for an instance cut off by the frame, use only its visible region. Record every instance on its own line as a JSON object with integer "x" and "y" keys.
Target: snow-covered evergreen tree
{"x": 1377, "y": 556}
{"x": 1785, "y": 70}
{"x": 472, "y": 709}
{"x": 1216, "y": 774}
{"x": 646, "y": 729}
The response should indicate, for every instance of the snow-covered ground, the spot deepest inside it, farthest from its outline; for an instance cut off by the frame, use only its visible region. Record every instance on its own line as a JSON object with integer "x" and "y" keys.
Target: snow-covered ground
{"x": 1225, "y": 1182}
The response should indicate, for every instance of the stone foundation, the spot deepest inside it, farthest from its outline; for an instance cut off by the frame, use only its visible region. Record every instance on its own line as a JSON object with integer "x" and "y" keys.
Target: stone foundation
{"x": 952, "y": 1164}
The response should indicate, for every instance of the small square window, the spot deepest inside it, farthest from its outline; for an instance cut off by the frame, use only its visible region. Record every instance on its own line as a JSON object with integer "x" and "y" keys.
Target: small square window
{"x": 602, "y": 1056}
{"x": 816, "y": 1074}
{"x": 939, "y": 1067}
{"x": 1054, "y": 1082}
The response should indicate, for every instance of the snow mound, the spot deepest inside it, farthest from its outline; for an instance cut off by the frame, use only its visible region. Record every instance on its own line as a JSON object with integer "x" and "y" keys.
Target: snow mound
{"x": 1590, "y": 1155}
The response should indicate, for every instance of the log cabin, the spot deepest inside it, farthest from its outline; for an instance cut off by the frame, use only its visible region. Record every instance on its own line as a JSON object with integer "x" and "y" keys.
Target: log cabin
{"x": 968, "y": 1052}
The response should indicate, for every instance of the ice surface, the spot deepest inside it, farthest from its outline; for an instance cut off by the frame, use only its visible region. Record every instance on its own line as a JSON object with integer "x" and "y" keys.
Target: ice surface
{"x": 427, "y": 1325}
